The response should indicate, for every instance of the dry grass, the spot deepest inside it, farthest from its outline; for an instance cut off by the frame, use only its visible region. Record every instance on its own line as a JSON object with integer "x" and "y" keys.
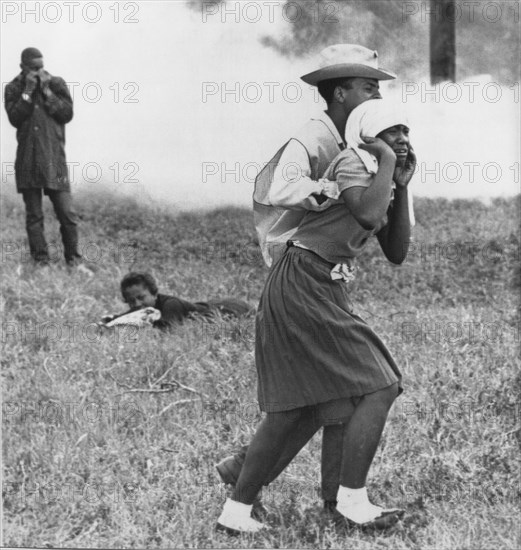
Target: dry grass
{"x": 88, "y": 463}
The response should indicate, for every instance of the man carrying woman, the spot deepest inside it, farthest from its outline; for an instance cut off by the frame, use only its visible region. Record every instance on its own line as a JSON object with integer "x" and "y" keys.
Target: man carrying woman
{"x": 318, "y": 362}
{"x": 293, "y": 183}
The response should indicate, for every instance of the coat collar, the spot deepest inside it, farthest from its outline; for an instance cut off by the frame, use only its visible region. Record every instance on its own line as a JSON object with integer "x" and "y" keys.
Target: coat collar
{"x": 324, "y": 117}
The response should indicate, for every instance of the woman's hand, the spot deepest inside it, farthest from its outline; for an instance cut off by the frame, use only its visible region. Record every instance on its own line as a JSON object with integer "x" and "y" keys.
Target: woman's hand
{"x": 329, "y": 188}
{"x": 403, "y": 173}
{"x": 378, "y": 148}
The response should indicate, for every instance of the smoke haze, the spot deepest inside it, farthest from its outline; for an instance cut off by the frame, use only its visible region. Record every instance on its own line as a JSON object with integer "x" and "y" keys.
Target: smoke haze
{"x": 184, "y": 103}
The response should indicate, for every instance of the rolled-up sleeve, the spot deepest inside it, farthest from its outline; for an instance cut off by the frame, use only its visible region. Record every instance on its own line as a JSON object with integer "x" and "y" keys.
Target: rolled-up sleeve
{"x": 292, "y": 186}
{"x": 349, "y": 171}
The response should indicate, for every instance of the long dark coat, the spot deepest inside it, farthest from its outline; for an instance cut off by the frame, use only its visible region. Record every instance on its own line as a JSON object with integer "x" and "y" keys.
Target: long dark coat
{"x": 40, "y": 157}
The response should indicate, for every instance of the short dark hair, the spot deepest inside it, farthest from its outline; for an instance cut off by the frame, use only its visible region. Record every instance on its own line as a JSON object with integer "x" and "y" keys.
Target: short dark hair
{"x": 135, "y": 278}
{"x": 326, "y": 88}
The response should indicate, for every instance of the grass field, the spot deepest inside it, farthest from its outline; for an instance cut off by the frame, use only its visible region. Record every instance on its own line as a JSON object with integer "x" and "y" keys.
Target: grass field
{"x": 110, "y": 439}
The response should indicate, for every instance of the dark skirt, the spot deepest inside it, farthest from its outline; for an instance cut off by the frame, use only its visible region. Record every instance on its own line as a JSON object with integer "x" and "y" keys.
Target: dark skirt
{"x": 310, "y": 347}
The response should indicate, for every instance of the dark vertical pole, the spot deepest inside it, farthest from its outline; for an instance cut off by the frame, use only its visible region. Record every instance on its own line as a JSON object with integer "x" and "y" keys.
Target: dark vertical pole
{"x": 443, "y": 41}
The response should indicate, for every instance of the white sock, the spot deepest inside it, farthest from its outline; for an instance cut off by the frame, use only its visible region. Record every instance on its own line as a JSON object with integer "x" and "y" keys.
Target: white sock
{"x": 237, "y": 515}
{"x": 354, "y": 504}
{"x": 236, "y": 510}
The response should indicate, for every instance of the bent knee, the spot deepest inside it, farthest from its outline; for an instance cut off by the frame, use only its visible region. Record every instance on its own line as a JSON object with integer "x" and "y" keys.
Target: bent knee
{"x": 391, "y": 393}
{"x": 386, "y": 395}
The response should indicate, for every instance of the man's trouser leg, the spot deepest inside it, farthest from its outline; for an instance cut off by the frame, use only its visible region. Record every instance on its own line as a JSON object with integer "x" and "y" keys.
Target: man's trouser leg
{"x": 62, "y": 202}
{"x": 332, "y": 445}
{"x": 332, "y": 449}
{"x": 230, "y": 468}
{"x": 34, "y": 224}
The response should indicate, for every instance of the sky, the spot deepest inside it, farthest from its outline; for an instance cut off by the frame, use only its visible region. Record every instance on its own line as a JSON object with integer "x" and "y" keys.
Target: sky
{"x": 183, "y": 106}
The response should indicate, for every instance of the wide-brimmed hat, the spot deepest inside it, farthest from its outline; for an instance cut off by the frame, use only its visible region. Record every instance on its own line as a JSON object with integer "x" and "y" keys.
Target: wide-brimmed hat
{"x": 346, "y": 61}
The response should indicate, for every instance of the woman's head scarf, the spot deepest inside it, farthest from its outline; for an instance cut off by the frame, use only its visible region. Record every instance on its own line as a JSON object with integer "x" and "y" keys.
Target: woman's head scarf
{"x": 368, "y": 120}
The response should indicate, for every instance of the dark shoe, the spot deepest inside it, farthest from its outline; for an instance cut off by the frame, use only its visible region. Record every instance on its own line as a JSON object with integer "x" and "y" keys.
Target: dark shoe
{"x": 236, "y": 532}
{"x": 229, "y": 470}
{"x": 385, "y": 521}
{"x": 227, "y": 530}
{"x": 259, "y": 511}
{"x": 230, "y": 467}
{"x": 41, "y": 262}
{"x": 89, "y": 268}
{"x": 74, "y": 260}
{"x": 330, "y": 506}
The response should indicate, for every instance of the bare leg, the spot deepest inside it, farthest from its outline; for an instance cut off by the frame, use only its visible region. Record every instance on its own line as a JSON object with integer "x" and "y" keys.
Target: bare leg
{"x": 361, "y": 439}
{"x": 362, "y": 435}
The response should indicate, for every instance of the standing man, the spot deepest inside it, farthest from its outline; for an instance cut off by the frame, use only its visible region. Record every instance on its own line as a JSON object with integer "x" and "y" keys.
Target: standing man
{"x": 38, "y": 106}
{"x": 290, "y": 185}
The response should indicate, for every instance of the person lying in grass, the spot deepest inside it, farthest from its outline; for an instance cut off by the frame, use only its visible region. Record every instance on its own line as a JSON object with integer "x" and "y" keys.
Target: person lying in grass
{"x": 140, "y": 292}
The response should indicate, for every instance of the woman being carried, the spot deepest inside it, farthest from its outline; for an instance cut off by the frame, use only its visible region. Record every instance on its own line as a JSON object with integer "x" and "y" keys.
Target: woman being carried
{"x": 318, "y": 362}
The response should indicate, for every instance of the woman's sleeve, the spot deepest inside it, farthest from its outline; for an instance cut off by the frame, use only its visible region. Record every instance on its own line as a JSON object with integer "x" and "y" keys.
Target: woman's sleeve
{"x": 349, "y": 171}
